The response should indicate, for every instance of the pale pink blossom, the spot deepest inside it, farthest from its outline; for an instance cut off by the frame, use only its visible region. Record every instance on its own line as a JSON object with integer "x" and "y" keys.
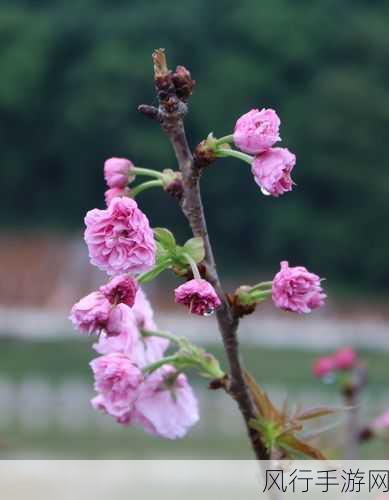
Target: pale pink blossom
{"x": 163, "y": 404}
{"x": 112, "y": 193}
{"x": 121, "y": 290}
{"x": 296, "y": 289}
{"x": 151, "y": 348}
{"x": 166, "y": 404}
{"x": 91, "y": 313}
{"x": 119, "y": 238}
{"x": 382, "y": 422}
{"x": 117, "y": 172}
{"x": 272, "y": 169}
{"x": 345, "y": 358}
{"x": 257, "y": 131}
{"x": 199, "y": 296}
{"x": 117, "y": 380}
{"x": 143, "y": 312}
{"x": 142, "y": 351}
{"x": 323, "y": 366}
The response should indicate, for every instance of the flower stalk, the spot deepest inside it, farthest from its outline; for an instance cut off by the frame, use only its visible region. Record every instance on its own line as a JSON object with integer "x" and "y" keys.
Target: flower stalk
{"x": 224, "y": 152}
{"x": 147, "y": 172}
{"x": 171, "y": 112}
{"x": 145, "y": 186}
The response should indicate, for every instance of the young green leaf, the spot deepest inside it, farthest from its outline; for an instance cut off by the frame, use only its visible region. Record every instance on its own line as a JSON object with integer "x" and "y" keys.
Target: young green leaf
{"x": 195, "y": 249}
{"x": 165, "y": 238}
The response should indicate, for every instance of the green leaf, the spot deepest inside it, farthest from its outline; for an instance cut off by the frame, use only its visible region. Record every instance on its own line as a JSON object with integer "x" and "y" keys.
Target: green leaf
{"x": 162, "y": 253}
{"x": 195, "y": 249}
{"x": 165, "y": 238}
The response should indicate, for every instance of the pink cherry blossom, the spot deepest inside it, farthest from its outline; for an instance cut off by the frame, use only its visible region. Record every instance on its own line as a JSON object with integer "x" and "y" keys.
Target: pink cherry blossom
{"x": 120, "y": 321}
{"x": 142, "y": 351}
{"x": 199, "y": 296}
{"x": 119, "y": 238}
{"x": 117, "y": 172}
{"x": 272, "y": 169}
{"x": 257, "y": 131}
{"x": 166, "y": 403}
{"x": 117, "y": 380}
{"x": 151, "y": 348}
{"x": 112, "y": 193}
{"x": 382, "y": 422}
{"x": 296, "y": 289}
{"x": 323, "y": 366}
{"x": 121, "y": 290}
{"x": 345, "y": 358}
{"x": 91, "y": 313}
{"x": 163, "y": 404}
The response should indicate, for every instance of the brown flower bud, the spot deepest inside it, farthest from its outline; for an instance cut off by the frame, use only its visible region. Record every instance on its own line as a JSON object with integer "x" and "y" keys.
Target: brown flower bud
{"x": 204, "y": 154}
{"x": 183, "y": 83}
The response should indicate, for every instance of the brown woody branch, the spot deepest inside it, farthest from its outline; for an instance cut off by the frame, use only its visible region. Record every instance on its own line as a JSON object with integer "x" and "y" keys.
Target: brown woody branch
{"x": 173, "y": 90}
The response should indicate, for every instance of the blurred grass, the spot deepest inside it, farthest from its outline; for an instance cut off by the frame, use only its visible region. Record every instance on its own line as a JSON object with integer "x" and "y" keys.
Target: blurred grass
{"x": 60, "y": 358}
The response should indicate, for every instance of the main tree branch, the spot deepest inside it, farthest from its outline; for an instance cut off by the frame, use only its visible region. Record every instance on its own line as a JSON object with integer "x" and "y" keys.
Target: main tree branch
{"x": 173, "y": 90}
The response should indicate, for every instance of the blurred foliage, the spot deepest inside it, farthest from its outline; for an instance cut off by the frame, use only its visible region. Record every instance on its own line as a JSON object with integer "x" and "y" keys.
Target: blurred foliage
{"x": 73, "y": 74}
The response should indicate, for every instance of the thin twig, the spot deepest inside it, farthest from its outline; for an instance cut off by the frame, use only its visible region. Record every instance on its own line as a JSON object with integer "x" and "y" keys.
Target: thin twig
{"x": 171, "y": 112}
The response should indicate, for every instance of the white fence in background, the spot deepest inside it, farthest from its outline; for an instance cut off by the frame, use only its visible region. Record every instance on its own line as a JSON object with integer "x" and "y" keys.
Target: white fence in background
{"x": 35, "y": 404}
{"x": 313, "y": 332}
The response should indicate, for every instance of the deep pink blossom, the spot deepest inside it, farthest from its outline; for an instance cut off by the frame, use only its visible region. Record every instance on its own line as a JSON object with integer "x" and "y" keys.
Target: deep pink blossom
{"x": 91, "y": 313}
{"x": 345, "y": 358}
{"x": 166, "y": 405}
{"x": 323, "y": 366}
{"x": 112, "y": 193}
{"x": 296, "y": 289}
{"x": 121, "y": 290}
{"x": 199, "y": 296}
{"x": 117, "y": 380}
{"x": 257, "y": 131}
{"x": 272, "y": 169}
{"x": 117, "y": 172}
{"x": 119, "y": 238}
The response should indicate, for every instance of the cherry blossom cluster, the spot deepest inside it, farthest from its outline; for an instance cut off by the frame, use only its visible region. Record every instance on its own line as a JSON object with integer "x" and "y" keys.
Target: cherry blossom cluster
{"x": 136, "y": 380}
{"x": 163, "y": 402}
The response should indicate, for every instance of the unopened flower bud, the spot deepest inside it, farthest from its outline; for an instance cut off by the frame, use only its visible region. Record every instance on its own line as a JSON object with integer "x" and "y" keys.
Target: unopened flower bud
{"x": 183, "y": 82}
{"x": 117, "y": 172}
{"x": 257, "y": 131}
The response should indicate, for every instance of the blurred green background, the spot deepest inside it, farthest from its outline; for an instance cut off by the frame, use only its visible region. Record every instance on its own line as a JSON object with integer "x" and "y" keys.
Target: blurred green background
{"x": 73, "y": 74}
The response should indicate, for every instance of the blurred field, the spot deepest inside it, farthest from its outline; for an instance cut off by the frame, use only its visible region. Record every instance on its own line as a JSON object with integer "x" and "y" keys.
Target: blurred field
{"x": 45, "y": 389}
